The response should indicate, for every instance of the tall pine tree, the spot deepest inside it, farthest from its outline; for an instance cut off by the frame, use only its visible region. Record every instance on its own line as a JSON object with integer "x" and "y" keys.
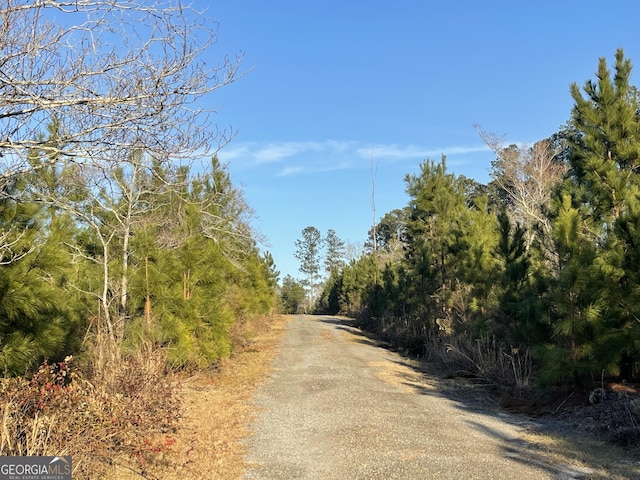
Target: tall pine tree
{"x": 594, "y": 323}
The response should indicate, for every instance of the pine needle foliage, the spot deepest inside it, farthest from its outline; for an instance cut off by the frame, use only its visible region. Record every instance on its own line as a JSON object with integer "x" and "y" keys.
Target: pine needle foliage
{"x": 560, "y": 280}
{"x": 37, "y": 317}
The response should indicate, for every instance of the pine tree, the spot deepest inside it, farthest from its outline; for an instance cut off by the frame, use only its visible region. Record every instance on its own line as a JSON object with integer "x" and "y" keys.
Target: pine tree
{"x": 517, "y": 317}
{"x": 335, "y": 252}
{"x": 604, "y": 153}
{"x": 38, "y": 316}
{"x": 196, "y": 268}
{"x": 436, "y": 240}
{"x": 292, "y": 295}
{"x": 308, "y": 253}
{"x": 576, "y": 307}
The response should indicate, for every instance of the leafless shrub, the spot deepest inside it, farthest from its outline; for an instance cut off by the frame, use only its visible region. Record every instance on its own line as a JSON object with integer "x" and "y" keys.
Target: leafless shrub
{"x": 58, "y": 411}
{"x": 484, "y": 358}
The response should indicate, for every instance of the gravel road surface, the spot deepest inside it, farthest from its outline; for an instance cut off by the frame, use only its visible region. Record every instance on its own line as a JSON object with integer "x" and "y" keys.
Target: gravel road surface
{"x": 339, "y": 406}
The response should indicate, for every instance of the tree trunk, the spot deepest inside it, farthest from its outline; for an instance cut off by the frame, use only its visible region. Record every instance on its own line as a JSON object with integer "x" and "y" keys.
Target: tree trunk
{"x": 124, "y": 282}
{"x": 147, "y": 297}
{"x": 186, "y": 284}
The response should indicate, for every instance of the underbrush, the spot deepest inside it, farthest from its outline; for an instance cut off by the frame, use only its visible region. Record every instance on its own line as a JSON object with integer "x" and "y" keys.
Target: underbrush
{"x": 611, "y": 412}
{"x": 127, "y": 421}
{"x": 609, "y": 409}
{"x": 119, "y": 416}
{"x": 458, "y": 354}
{"x": 506, "y": 367}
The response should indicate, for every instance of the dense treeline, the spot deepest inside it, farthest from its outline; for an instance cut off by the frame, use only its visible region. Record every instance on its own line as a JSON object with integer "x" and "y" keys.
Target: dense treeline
{"x": 111, "y": 237}
{"x": 545, "y": 258}
{"x": 124, "y": 255}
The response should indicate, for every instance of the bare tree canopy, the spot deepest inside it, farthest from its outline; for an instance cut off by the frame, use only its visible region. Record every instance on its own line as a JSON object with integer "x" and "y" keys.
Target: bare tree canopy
{"x": 527, "y": 175}
{"x": 111, "y": 74}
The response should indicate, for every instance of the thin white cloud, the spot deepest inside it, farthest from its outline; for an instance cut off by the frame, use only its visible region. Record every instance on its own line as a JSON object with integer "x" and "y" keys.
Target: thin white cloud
{"x": 402, "y": 152}
{"x": 288, "y": 171}
{"x": 228, "y": 153}
{"x": 297, "y": 158}
{"x": 391, "y": 151}
{"x": 276, "y": 152}
{"x": 465, "y": 150}
{"x": 311, "y": 169}
{"x": 273, "y": 152}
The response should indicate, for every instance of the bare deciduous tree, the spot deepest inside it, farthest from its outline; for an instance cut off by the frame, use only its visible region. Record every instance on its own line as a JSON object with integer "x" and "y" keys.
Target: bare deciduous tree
{"x": 113, "y": 74}
{"x": 528, "y": 176}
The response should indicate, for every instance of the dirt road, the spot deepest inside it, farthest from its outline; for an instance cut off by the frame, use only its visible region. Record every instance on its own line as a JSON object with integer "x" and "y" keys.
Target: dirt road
{"x": 338, "y": 406}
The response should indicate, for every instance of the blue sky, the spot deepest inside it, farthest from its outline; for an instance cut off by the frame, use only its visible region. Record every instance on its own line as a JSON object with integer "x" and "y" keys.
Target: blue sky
{"x": 334, "y": 87}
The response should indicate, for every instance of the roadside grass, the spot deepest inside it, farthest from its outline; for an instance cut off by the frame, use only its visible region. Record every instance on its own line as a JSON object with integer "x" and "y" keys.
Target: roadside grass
{"x": 137, "y": 420}
{"x": 126, "y": 422}
{"x": 217, "y": 406}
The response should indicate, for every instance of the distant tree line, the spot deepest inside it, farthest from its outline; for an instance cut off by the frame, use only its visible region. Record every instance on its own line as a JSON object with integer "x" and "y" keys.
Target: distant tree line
{"x": 313, "y": 251}
{"x": 545, "y": 258}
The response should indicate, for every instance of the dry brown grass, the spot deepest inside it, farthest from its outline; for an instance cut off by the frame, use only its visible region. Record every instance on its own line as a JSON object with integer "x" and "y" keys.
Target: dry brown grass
{"x": 58, "y": 411}
{"x": 217, "y": 406}
{"x": 135, "y": 420}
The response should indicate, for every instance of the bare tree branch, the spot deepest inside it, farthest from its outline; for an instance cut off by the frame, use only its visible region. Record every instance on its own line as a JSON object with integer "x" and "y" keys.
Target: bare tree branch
{"x": 528, "y": 175}
{"x": 112, "y": 73}
{"x": 9, "y": 240}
